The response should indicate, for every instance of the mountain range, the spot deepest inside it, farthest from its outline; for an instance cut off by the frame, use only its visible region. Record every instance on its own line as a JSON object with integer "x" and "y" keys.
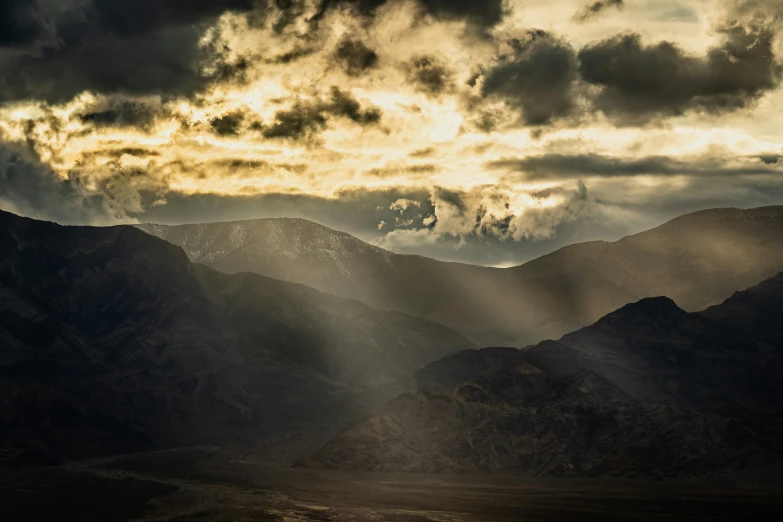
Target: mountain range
{"x": 698, "y": 260}
{"x": 648, "y": 390}
{"x": 113, "y": 341}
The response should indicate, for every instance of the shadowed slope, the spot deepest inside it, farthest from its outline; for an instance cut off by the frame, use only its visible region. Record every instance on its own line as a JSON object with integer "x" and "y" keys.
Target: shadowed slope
{"x": 648, "y": 390}
{"x": 111, "y": 341}
{"x": 698, "y": 260}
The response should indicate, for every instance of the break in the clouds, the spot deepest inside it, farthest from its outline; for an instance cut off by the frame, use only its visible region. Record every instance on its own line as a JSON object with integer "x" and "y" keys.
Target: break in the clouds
{"x": 477, "y": 131}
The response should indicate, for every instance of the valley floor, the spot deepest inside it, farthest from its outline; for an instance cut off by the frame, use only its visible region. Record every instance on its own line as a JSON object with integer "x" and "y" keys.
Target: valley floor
{"x": 215, "y": 485}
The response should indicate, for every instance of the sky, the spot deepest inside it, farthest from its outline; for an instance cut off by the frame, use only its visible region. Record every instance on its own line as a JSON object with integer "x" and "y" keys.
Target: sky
{"x": 487, "y": 132}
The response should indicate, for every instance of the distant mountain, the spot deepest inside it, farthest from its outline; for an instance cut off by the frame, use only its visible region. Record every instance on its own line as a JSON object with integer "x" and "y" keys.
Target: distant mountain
{"x": 111, "y": 340}
{"x": 289, "y": 249}
{"x": 300, "y": 251}
{"x": 698, "y": 260}
{"x": 648, "y": 390}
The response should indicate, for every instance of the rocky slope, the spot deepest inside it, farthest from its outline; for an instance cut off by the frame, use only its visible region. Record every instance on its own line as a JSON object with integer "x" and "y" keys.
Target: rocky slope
{"x": 698, "y": 260}
{"x": 649, "y": 390}
{"x": 112, "y": 341}
{"x": 466, "y": 365}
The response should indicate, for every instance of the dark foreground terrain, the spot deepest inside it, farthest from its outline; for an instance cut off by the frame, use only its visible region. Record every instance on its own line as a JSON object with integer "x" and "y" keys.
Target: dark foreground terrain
{"x": 211, "y": 485}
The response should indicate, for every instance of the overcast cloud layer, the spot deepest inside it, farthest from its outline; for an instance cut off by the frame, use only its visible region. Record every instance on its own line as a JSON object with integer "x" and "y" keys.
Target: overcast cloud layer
{"x": 483, "y": 131}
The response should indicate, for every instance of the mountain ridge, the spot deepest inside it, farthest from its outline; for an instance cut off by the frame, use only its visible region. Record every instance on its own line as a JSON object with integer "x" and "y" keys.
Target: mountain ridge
{"x": 698, "y": 260}
{"x": 113, "y": 341}
{"x": 647, "y": 391}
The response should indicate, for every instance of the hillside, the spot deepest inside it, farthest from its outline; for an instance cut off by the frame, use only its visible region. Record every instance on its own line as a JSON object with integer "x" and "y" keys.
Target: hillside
{"x": 649, "y": 390}
{"x": 112, "y": 341}
{"x": 698, "y": 260}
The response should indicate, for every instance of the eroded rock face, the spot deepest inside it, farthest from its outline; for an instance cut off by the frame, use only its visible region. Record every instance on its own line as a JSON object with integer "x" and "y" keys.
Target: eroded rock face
{"x": 112, "y": 341}
{"x": 648, "y": 390}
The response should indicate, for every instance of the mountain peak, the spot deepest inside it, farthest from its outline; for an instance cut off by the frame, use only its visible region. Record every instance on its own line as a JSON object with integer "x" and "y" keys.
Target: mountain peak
{"x": 658, "y": 310}
{"x": 286, "y": 238}
{"x": 697, "y": 260}
{"x": 136, "y": 347}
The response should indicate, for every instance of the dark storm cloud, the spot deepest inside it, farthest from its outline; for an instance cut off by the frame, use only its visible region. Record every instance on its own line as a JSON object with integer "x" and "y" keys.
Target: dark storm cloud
{"x": 29, "y": 187}
{"x": 301, "y": 121}
{"x": 138, "y": 17}
{"x": 345, "y": 104}
{"x": 537, "y": 78}
{"x": 640, "y": 82}
{"x": 484, "y": 13}
{"x": 564, "y": 166}
{"x": 757, "y": 9}
{"x": 481, "y": 12}
{"x": 159, "y": 63}
{"x": 593, "y": 9}
{"x": 306, "y": 118}
{"x": 771, "y": 159}
{"x": 355, "y": 57}
{"x": 228, "y": 124}
{"x": 429, "y": 75}
{"x": 288, "y": 13}
{"x": 123, "y": 112}
{"x": 108, "y": 46}
{"x": 22, "y": 22}
{"x": 291, "y": 56}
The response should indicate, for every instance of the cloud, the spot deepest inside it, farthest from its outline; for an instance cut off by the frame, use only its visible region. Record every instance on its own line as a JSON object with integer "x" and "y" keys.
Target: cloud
{"x": 355, "y": 57}
{"x": 22, "y": 22}
{"x": 345, "y": 104}
{"x": 497, "y": 211}
{"x": 595, "y": 8}
{"x": 409, "y": 171}
{"x": 565, "y": 166}
{"x": 29, "y": 187}
{"x": 307, "y": 117}
{"x": 639, "y": 82}
{"x": 423, "y": 153}
{"x": 137, "y": 17}
{"x": 430, "y": 75}
{"x": 228, "y": 124}
{"x": 196, "y": 113}
{"x": 116, "y": 111}
{"x": 302, "y": 120}
{"x": 484, "y": 13}
{"x": 133, "y": 47}
{"x": 754, "y": 11}
{"x": 537, "y": 78}
{"x": 130, "y": 151}
{"x": 403, "y": 204}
